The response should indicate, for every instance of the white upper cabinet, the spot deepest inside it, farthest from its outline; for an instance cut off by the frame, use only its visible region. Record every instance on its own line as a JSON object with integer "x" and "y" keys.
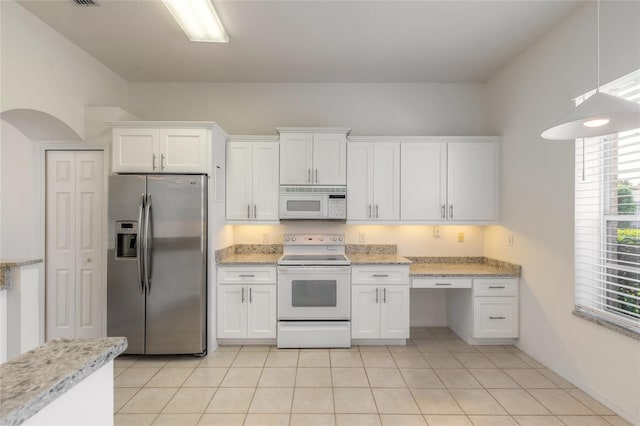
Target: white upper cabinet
{"x": 472, "y": 181}
{"x": 373, "y": 189}
{"x": 424, "y": 184}
{"x": 252, "y": 181}
{"x": 313, "y": 157}
{"x": 450, "y": 181}
{"x": 153, "y": 148}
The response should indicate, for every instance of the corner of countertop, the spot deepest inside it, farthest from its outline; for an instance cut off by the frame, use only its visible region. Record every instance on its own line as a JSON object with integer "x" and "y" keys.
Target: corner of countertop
{"x": 6, "y": 265}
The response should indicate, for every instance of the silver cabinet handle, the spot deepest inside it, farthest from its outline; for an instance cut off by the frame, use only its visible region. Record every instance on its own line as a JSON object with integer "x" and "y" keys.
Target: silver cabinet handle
{"x": 248, "y": 211}
{"x": 380, "y": 275}
{"x": 369, "y": 211}
{"x": 242, "y": 297}
{"x": 255, "y": 211}
{"x": 376, "y": 295}
{"x": 153, "y": 161}
{"x": 161, "y": 161}
{"x": 309, "y": 175}
{"x": 444, "y": 211}
{"x": 377, "y": 212}
{"x": 496, "y": 286}
{"x": 443, "y": 283}
{"x": 450, "y": 211}
{"x": 250, "y": 295}
{"x": 246, "y": 275}
{"x": 497, "y": 317}
{"x": 316, "y": 175}
{"x": 384, "y": 295}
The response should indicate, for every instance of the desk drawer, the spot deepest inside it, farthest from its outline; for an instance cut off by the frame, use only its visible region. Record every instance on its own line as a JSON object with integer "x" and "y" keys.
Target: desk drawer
{"x": 440, "y": 282}
{"x": 246, "y": 274}
{"x": 384, "y": 275}
{"x": 495, "y": 287}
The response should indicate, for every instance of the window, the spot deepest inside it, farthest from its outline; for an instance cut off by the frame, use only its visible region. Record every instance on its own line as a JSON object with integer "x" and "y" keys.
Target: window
{"x": 607, "y": 220}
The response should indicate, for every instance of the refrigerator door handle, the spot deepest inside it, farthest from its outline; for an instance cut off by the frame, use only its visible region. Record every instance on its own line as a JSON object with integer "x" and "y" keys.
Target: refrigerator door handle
{"x": 147, "y": 232}
{"x": 139, "y": 246}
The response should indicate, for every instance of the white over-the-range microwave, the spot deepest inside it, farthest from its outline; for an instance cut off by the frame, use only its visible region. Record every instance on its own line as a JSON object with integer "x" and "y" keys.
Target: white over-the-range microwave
{"x": 313, "y": 202}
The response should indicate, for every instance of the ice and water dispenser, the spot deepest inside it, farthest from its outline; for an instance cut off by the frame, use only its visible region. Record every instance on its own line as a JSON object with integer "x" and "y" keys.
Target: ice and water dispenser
{"x": 126, "y": 239}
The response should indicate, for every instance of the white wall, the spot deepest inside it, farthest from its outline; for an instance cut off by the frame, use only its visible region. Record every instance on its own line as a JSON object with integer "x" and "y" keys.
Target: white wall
{"x": 537, "y": 199}
{"x": 18, "y": 219}
{"x": 369, "y": 109}
{"x": 44, "y": 71}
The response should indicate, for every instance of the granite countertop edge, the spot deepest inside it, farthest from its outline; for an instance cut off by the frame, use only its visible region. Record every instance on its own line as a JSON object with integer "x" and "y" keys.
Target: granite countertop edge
{"x": 18, "y": 404}
{"x": 7, "y": 264}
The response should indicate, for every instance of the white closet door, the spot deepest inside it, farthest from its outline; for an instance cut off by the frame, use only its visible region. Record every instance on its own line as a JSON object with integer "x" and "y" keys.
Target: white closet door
{"x": 75, "y": 296}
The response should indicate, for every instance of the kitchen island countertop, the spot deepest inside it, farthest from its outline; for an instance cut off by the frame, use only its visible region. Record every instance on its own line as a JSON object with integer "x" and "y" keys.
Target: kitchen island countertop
{"x": 36, "y": 378}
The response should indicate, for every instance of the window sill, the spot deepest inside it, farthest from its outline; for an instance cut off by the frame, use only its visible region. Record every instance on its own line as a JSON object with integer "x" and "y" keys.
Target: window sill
{"x": 607, "y": 324}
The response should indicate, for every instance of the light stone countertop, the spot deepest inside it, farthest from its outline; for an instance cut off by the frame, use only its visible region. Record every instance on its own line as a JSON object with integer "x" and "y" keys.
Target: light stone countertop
{"x": 459, "y": 269}
{"x": 378, "y": 259}
{"x": 5, "y": 269}
{"x": 36, "y": 378}
{"x": 251, "y": 259}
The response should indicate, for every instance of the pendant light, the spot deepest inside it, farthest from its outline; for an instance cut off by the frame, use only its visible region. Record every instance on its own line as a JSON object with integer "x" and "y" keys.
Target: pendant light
{"x": 601, "y": 114}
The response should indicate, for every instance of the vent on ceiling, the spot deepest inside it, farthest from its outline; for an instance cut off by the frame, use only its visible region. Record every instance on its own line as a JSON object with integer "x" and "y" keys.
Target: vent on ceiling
{"x": 84, "y": 3}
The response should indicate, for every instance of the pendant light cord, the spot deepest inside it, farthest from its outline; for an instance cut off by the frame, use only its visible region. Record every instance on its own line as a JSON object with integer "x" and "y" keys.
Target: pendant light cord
{"x": 598, "y": 43}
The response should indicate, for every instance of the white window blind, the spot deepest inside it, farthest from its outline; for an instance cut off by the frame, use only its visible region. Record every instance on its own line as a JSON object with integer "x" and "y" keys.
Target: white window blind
{"x": 607, "y": 219}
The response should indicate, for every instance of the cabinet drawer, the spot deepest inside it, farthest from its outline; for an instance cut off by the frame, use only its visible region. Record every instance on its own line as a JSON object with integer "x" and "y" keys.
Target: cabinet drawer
{"x": 246, "y": 275}
{"x": 495, "y": 287}
{"x": 441, "y": 282}
{"x": 495, "y": 317}
{"x": 385, "y": 275}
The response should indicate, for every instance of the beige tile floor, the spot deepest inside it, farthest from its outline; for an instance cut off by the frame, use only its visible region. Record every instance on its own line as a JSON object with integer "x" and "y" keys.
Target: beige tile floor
{"x": 435, "y": 380}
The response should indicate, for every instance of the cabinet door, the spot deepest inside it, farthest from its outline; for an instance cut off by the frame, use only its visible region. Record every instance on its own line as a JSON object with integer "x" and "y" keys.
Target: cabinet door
{"x": 394, "y": 312}
{"x": 232, "y": 311}
{"x": 265, "y": 181}
{"x": 386, "y": 181}
{"x": 296, "y": 158}
{"x": 360, "y": 181}
{"x": 262, "y": 312}
{"x": 365, "y": 312}
{"x": 239, "y": 181}
{"x": 136, "y": 150}
{"x": 495, "y": 317}
{"x": 424, "y": 186}
{"x": 330, "y": 159}
{"x": 183, "y": 150}
{"x": 472, "y": 179}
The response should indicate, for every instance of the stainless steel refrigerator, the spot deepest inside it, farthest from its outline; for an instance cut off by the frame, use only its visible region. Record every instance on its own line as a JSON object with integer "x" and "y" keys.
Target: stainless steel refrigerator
{"x": 157, "y": 263}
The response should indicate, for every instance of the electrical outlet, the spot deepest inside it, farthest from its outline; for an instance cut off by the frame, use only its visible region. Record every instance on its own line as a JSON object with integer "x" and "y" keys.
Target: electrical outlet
{"x": 362, "y": 237}
{"x": 510, "y": 240}
{"x": 461, "y": 237}
{"x": 436, "y": 231}
{"x": 266, "y": 238}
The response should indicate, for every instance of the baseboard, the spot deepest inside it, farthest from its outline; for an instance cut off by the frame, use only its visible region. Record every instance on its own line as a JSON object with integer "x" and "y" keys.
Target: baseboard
{"x": 231, "y": 342}
{"x": 429, "y": 324}
{"x": 628, "y": 416}
{"x": 376, "y": 342}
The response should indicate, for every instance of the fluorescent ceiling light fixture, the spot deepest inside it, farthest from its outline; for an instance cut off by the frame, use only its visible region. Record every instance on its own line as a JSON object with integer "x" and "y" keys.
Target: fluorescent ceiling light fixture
{"x": 198, "y": 19}
{"x": 601, "y": 114}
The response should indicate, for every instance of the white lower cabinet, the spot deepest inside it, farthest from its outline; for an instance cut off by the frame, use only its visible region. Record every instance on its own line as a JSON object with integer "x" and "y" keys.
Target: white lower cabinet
{"x": 379, "y": 302}
{"x": 486, "y": 313}
{"x": 246, "y": 310}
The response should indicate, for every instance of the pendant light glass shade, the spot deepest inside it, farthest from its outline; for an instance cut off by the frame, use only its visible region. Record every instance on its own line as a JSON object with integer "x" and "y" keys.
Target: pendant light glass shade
{"x": 600, "y": 115}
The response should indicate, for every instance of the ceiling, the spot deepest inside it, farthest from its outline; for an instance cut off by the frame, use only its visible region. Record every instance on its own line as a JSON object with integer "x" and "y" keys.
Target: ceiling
{"x": 310, "y": 41}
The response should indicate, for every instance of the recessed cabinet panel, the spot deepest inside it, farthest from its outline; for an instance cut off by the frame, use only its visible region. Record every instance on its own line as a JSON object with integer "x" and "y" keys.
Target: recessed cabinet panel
{"x": 296, "y": 158}
{"x": 262, "y": 317}
{"x": 239, "y": 181}
{"x": 183, "y": 150}
{"x": 359, "y": 181}
{"x": 495, "y": 317}
{"x": 329, "y": 159}
{"x": 394, "y": 312}
{"x": 135, "y": 150}
{"x": 472, "y": 177}
{"x": 365, "y": 312}
{"x": 232, "y": 311}
{"x": 423, "y": 177}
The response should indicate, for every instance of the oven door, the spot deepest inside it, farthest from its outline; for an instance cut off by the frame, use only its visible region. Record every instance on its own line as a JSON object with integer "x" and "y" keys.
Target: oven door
{"x": 303, "y": 206}
{"x": 314, "y": 293}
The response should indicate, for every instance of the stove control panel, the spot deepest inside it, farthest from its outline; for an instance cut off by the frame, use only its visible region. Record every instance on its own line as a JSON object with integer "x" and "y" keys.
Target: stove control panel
{"x": 314, "y": 239}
